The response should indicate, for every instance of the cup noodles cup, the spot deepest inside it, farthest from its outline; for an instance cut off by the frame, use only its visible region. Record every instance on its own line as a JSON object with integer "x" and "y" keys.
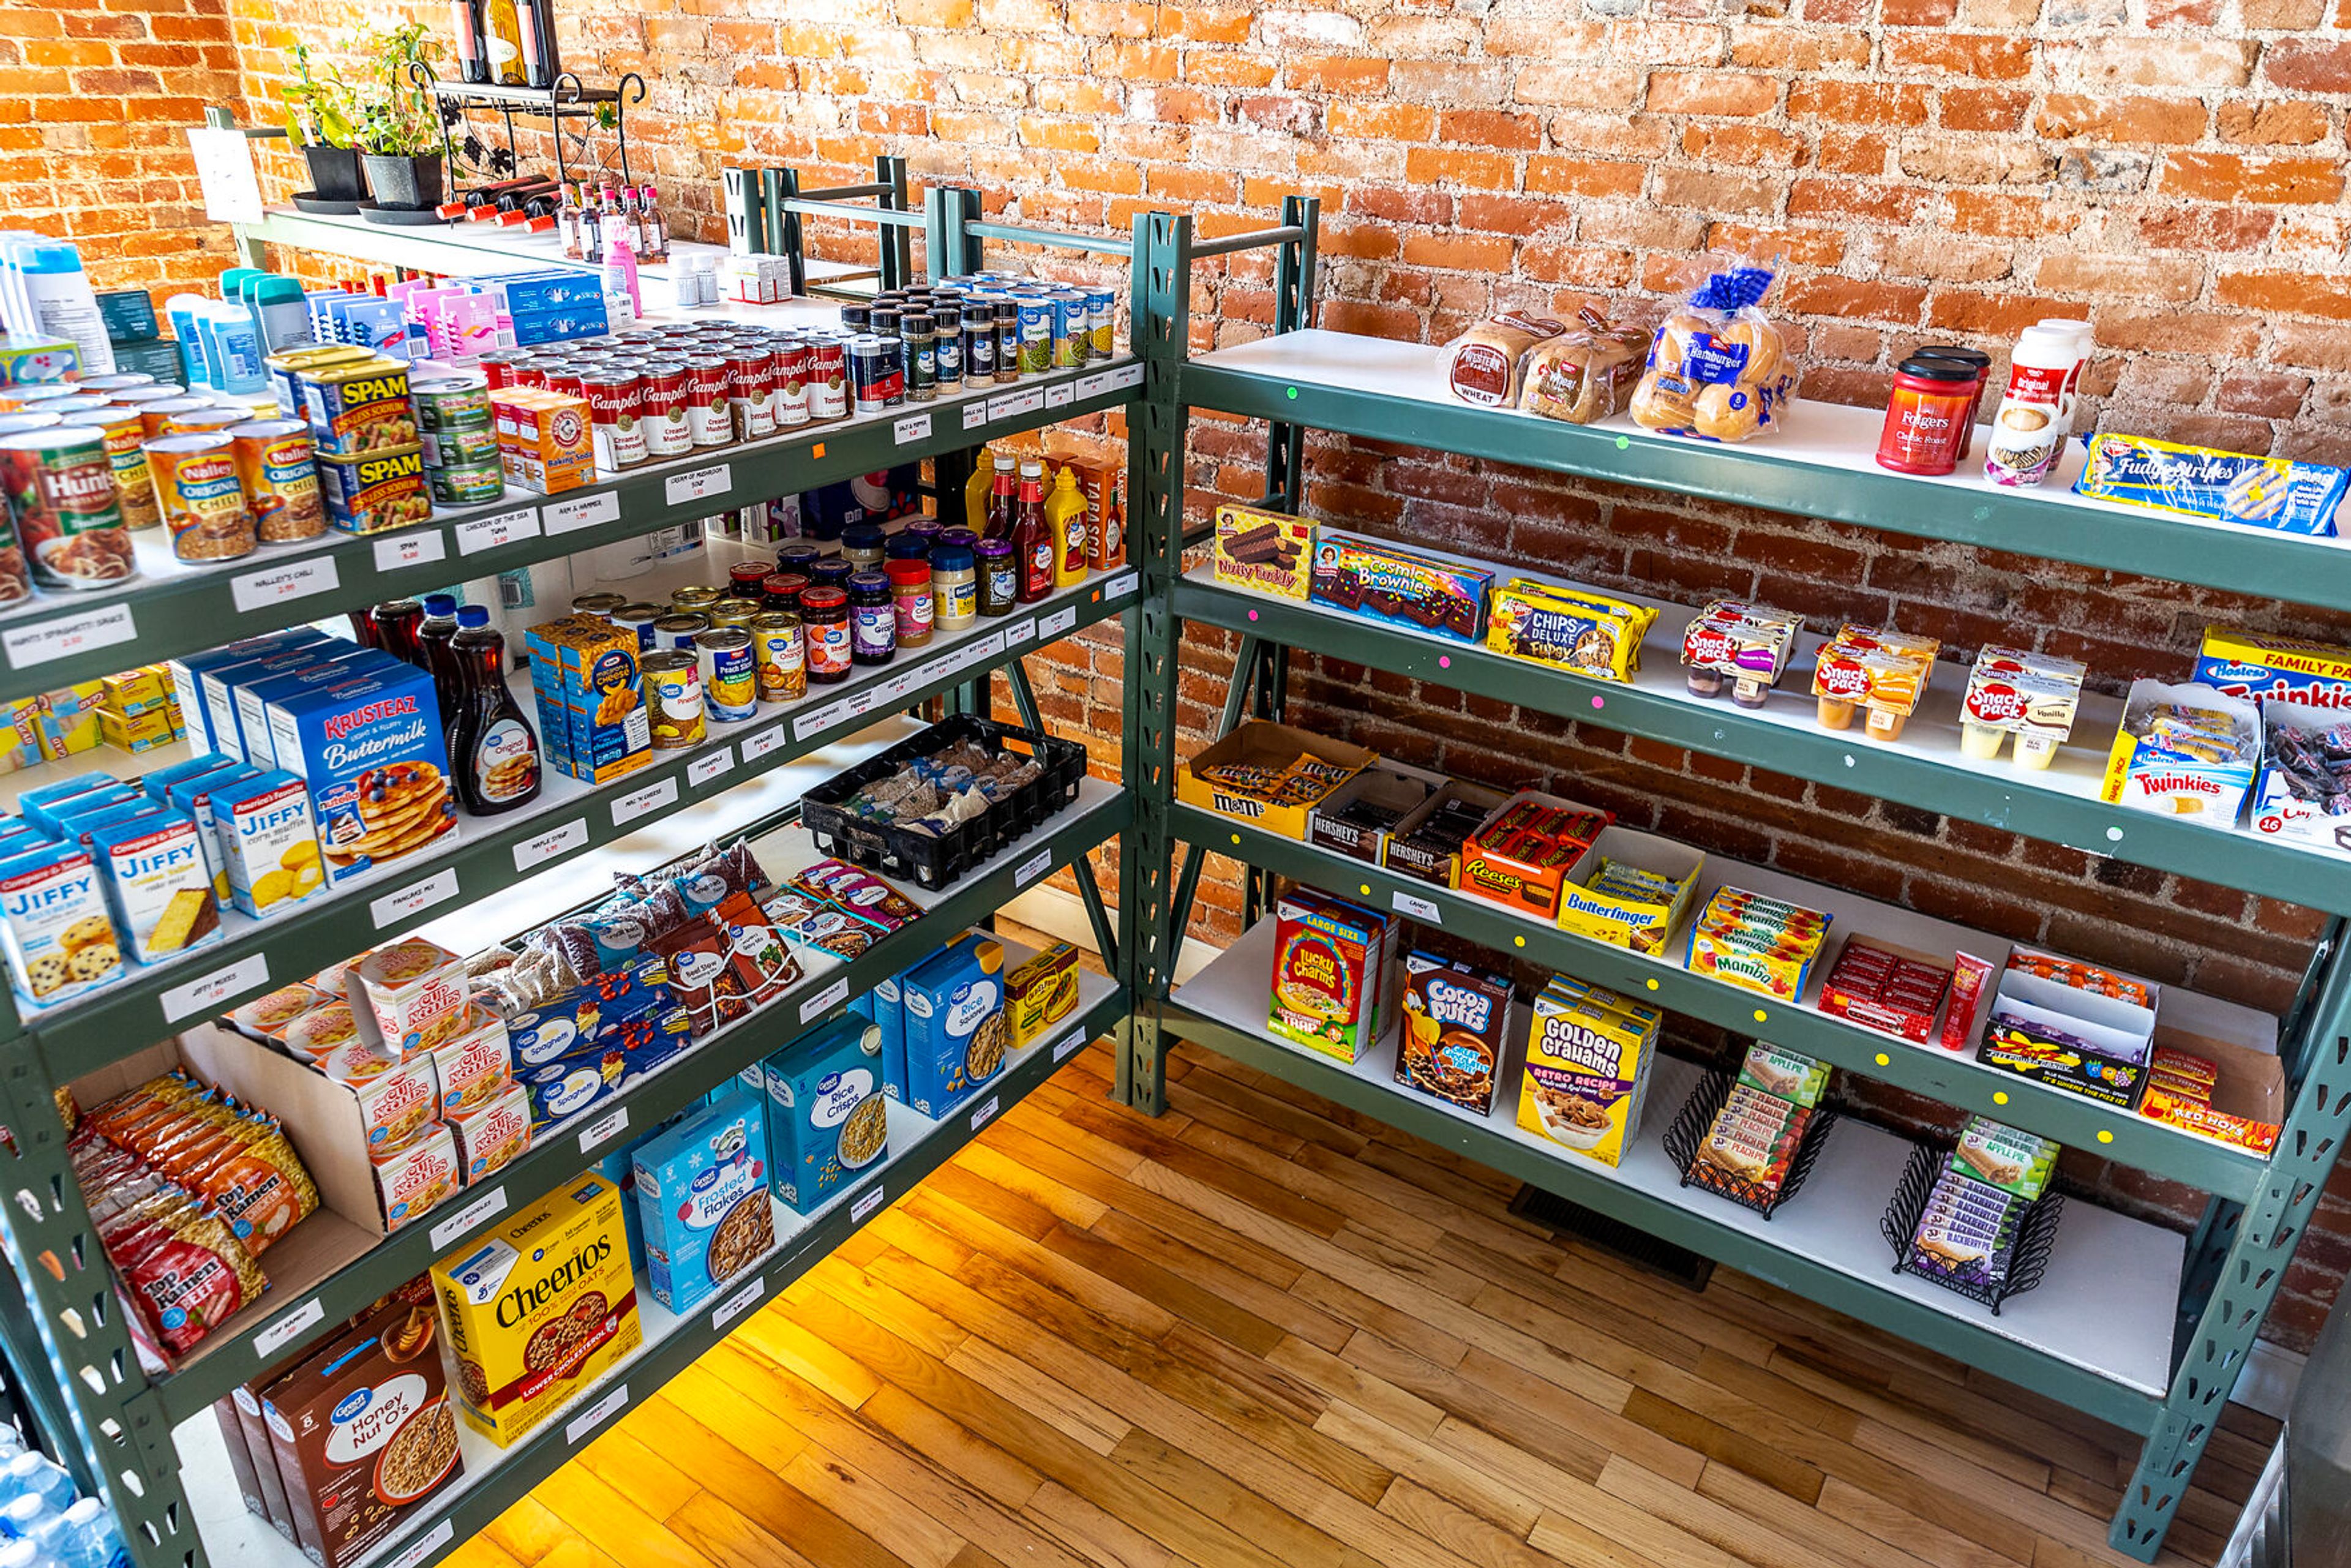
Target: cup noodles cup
{"x": 417, "y": 991}
{"x": 322, "y": 1030}
{"x": 474, "y": 1067}
{"x": 490, "y": 1135}
{"x": 267, "y": 1016}
{"x": 397, "y": 1101}
{"x": 409, "y": 1182}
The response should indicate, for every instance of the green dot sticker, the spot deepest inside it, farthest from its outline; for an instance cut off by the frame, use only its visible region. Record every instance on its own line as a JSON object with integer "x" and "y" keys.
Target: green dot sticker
{"x": 2105, "y": 1136}
{"x": 1624, "y": 443}
{"x": 1293, "y": 393}
{"x": 2000, "y": 1096}
{"x": 1883, "y": 1059}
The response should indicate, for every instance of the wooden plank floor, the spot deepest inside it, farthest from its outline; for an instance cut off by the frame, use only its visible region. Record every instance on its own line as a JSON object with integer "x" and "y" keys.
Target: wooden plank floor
{"x": 1262, "y": 1331}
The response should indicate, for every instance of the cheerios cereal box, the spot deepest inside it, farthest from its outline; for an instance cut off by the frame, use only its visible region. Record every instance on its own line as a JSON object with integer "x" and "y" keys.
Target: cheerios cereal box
{"x": 539, "y": 1309}
{"x": 1587, "y": 1067}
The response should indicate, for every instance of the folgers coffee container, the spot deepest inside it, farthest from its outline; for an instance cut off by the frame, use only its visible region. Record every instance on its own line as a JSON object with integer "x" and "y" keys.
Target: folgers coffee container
{"x": 59, "y": 487}
{"x": 666, "y": 389}
{"x": 281, "y": 481}
{"x": 1978, "y": 364}
{"x": 824, "y": 616}
{"x": 709, "y": 420}
{"x": 673, "y": 700}
{"x": 730, "y": 678}
{"x": 616, "y": 419}
{"x": 1927, "y": 416}
{"x": 201, "y": 497}
{"x": 125, "y": 434}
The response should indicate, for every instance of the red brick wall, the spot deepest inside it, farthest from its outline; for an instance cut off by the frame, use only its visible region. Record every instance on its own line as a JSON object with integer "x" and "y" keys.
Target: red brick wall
{"x": 94, "y": 98}
{"x": 1925, "y": 169}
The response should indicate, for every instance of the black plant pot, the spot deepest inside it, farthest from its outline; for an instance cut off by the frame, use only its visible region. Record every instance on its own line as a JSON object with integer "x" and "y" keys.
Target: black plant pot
{"x": 335, "y": 173}
{"x": 411, "y": 184}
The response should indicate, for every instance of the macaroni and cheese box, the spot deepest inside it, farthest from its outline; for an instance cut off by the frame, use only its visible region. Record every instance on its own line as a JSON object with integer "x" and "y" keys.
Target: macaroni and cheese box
{"x": 372, "y": 753}
{"x": 828, "y": 1117}
{"x": 1330, "y": 962}
{"x": 703, "y": 1203}
{"x": 1586, "y": 1072}
{"x": 539, "y": 1309}
{"x": 158, "y": 885}
{"x": 1040, "y": 993}
{"x": 263, "y": 828}
{"x": 957, "y": 1031}
{"x": 61, "y": 940}
{"x": 591, "y": 711}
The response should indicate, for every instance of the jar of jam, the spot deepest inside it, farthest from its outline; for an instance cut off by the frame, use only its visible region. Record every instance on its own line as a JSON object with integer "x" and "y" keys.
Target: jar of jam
{"x": 912, "y": 601}
{"x": 1927, "y": 416}
{"x": 1000, "y": 575}
{"x": 745, "y": 577}
{"x": 781, "y": 589}
{"x": 798, "y": 555}
{"x": 873, "y": 619}
{"x": 905, "y": 546}
{"x": 824, "y": 623}
{"x": 955, "y": 587}
{"x": 925, "y": 529}
{"x": 832, "y": 572}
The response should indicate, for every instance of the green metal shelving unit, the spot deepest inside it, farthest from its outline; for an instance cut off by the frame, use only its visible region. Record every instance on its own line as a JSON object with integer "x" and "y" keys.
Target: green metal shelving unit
{"x": 1299, "y": 378}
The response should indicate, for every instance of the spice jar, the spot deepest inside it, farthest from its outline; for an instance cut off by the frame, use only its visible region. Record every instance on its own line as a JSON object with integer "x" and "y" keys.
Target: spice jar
{"x": 919, "y": 333}
{"x": 1000, "y": 575}
{"x": 824, "y": 621}
{"x": 873, "y": 619}
{"x": 912, "y": 601}
{"x": 955, "y": 587}
{"x": 864, "y": 546}
{"x": 1925, "y": 417}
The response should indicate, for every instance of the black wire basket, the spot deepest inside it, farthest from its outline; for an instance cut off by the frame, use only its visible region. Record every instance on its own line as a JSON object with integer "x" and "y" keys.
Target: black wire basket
{"x": 935, "y": 861}
{"x": 1696, "y": 1119}
{"x": 2035, "y": 1234}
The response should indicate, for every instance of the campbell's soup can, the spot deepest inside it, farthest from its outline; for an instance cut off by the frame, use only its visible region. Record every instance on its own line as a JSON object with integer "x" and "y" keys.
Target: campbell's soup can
{"x": 570, "y": 380}
{"x": 201, "y": 497}
{"x": 57, "y": 488}
{"x": 709, "y": 421}
{"x": 791, "y": 397}
{"x": 828, "y": 377}
{"x": 667, "y": 434}
{"x": 751, "y": 391}
{"x": 527, "y": 374}
{"x": 125, "y": 434}
{"x": 274, "y": 460}
{"x": 616, "y": 419}
{"x": 498, "y": 366}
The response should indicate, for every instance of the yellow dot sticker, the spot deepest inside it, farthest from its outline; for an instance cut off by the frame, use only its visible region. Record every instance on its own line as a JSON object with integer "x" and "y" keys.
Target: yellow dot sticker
{"x": 1519, "y": 940}
{"x": 2105, "y": 1136}
{"x": 1652, "y": 985}
{"x": 1759, "y": 1015}
{"x": 2000, "y": 1096}
{"x": 1237, "y": 837}
{"x": 1883, "y": 1059}
{"x": 1367, "y": 890}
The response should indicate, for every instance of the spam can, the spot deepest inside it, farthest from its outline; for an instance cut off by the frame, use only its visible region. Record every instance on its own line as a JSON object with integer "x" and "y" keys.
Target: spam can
{"x": 674, "y": 698}
{"x": 730, "y": 677}
{"x": 369, "y": 494}
{"x": 780, "y": 654}
{"x": 286, "y": 368}
{"x": 359, "y": 408}
{"x": 201, "y": 497}
{"x": 281, "y": 481}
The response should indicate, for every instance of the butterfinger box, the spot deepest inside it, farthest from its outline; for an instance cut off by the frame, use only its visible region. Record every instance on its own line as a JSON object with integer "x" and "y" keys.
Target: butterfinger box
{"x": 1265, "y": 552}
{"x": 370, "y": 749}
{"x": 1330, "y": 965}
{"x": 541, "y": 1309}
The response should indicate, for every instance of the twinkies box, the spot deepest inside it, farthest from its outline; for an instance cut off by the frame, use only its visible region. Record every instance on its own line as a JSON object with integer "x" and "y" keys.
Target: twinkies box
{"x": 2257, "y": 668}
{"x": 371, "y": 751}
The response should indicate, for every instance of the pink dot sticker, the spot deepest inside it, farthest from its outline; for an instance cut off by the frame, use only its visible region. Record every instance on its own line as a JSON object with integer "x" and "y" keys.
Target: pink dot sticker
{"x": 1599, "y": 702}
{"x": 1252, "y": 614}
{"x": 1444, "y": 661}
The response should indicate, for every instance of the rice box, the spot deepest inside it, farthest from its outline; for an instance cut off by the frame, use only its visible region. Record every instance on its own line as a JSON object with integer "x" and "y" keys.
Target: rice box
{"x": 888, "y": 1006}
{"x": 541, "y": 1309}
{"x": 61, "y": 940}
{"x": 956, "y": 1033}
{"x": 1330, "y": 962}
{"x": 1586, "y": 1073}
{"x": 372, "y": 752}
{"x": 828, "y": 1118}
{"x": 417, "y": 991}
{"x": 263, "y": 827}
{"x": 703, "y": 1203}
{"x": 160, "y": 885}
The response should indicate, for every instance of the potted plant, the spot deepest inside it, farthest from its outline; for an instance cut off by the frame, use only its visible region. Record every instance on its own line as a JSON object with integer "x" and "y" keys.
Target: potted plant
{"x": 322, "y": 120}
{"x": 400, "y": 120}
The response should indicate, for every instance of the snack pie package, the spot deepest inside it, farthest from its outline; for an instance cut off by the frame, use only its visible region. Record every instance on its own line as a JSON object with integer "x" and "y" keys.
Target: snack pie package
{"x": 1582, "y": 631}
{"x": 2033, "y": 697}
{"x": 541, "y": 1309}
{"x": 2187, "y": 750}
{"x": 372, "y": 752}
{"x": 1330, "y": 962}
{"x": 701, "y": 1200}
{"x": 1456, "y": 1025}
{"x": 1265, "y": 552}
{"x": 1785, "y": 1075}
{"x": 2273, "y": 493}
{"x": 2002, "y": 1157}
{"x": 1586, "y": 1071}
{"x": 1400, "y": 586}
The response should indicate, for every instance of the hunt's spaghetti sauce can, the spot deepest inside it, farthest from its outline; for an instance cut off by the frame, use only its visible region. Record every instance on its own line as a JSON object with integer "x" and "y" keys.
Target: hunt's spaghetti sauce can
{"x": 124, "y": 434}
{"x": 58, "y": 487}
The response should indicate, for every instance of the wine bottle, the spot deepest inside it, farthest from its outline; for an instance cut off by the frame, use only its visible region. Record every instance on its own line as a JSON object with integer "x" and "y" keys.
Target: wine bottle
{"x": 502, "y": 41}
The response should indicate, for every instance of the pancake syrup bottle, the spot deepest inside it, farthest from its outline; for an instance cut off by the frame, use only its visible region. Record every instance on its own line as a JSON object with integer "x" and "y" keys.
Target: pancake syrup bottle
{"x": 494, "y": 752}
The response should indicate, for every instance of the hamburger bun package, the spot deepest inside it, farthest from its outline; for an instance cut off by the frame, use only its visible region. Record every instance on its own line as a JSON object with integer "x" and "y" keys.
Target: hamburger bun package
{"x": 1719, "y": 369}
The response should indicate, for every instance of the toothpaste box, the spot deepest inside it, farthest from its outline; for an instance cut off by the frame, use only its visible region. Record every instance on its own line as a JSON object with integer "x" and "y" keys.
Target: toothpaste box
{"x": 371, "y": 751}
{"x": 266, "y": 840}
{"x": 159, "y": 886}
{"x": 53, "y": 924}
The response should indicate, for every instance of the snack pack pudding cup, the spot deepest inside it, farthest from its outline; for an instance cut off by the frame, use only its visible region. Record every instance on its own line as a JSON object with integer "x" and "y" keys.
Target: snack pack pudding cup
{"x": 1703, "y": 682}
{"x": 1750, "y": 691}
{"x": 1981, "y": 742}
{"x": 1885, "y": 724}
{"x": 2035, "y": 752}
{"x": 1836, "y": 712}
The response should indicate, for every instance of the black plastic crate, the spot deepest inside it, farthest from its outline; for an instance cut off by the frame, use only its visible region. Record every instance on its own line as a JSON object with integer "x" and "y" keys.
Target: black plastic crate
{"x": 936, "y": 861}
{"x": 1696, "y": 1119}
{"x": 2034, "y": 1236}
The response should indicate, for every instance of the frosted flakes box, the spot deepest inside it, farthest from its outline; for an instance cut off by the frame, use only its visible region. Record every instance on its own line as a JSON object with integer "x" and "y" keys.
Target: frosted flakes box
{"x": 372, "y": 750}
{"x": 701, "y": 1200}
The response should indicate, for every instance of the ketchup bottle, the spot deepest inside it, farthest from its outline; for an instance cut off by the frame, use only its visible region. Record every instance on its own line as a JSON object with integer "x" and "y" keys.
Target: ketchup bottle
{"x": 494, "y": 751}
{"x": 1033, "y": 539}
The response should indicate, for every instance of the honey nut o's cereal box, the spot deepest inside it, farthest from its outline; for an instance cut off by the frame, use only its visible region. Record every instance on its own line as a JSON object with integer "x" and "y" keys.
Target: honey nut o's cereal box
{"x": 541, "y": 1309}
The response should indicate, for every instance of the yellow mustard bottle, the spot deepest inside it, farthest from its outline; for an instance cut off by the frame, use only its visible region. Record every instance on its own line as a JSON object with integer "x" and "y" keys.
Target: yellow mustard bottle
{"x": 1065, "y": 519}
{"x": 975, "y": 492}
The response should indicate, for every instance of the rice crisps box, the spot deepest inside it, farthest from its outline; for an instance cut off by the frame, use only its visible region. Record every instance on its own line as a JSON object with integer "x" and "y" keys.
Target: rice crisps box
{"x": 956, "y": 1033}
{"x": 828, "y": 1117}
{"x": 372, "y": 753}
{"x": 703, "y": 1203}
{"x": 54, "y": 923}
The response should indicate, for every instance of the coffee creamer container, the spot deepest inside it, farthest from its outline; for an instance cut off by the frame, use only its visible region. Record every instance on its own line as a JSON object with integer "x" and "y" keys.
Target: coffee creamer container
{"x": 2036, "y": 412}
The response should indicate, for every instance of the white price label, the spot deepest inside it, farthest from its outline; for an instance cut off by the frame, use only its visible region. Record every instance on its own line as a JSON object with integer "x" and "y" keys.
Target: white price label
{"x": 755, "y": 746}
{"x": 1003, "y": 406}
{"x": 1093, "y": 385}
{"x": 1061, "y": 394}
{"x": 422, "y": 549}
{"x": 865, "y": 1208}
{"x": 983, "y": 1113}
{"x": 833, "y": 995}
{"x": 987, "y": 648}
{"x": 586, "y": 512}
{"x": 1032, "y": 868}
{"x": 70, "y": 634}
{"x": 394, "y": 907}
{"x": 698, "y": 486}
{"x": 823, "y": 718}
{"x": 1020, "y": 631}
{"x": 1032, "y": 401}
{"x": 276, "y": 585}
{"x": 489, "y": 1206}
{"x": 1420, "y": 908}
{"x": 913, "y": 427}
{"x": 736, "y": 1306}
{"x": 423, "y": 1546}
{"x": 703, "y": 770}
{"x": 604, "y": 1130}
{"x": 555, "y": 841}
{"x": 1058, "y": 622}
{"x": 282, "y": 1333}
{"x": 1127, "y": 376}
{"x": 499, "y": 528}
{"x": 1125, "y": 583}
{"x": 206, "y": 995}
{"x": 975, "y": 414}
{"x": 596, "y": 1414}
{"x": 1065, "y": 1047}
{"x": 651, "y": 797}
